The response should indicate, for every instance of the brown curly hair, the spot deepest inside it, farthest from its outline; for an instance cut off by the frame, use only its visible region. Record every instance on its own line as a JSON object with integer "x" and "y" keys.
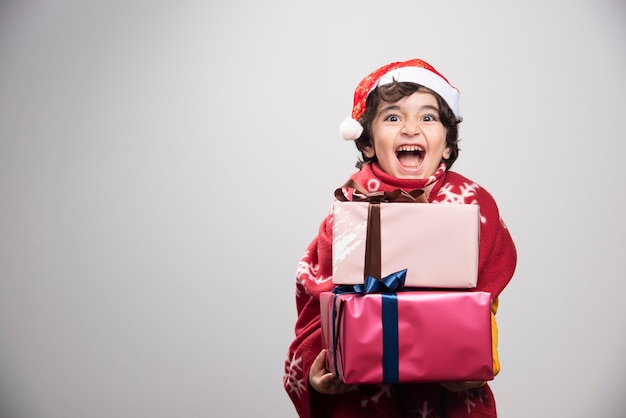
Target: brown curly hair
{"x": 392, "y": 93}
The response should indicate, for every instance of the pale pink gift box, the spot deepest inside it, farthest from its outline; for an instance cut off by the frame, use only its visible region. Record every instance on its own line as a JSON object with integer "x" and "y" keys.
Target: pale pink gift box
{"x": 436, "y": 242}
{"x": 440, "y": 336}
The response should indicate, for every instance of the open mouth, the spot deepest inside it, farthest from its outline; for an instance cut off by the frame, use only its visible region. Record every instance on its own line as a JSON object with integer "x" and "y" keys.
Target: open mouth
{"x": 410, "y": 156}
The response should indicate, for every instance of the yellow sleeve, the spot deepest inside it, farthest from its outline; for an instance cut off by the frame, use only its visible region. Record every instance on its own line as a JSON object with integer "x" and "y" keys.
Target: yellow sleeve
{"x": 494, "y": 337}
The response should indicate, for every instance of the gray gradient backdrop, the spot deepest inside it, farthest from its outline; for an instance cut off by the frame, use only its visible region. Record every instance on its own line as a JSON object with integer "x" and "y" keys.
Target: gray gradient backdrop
{"x": 163, "y": 165}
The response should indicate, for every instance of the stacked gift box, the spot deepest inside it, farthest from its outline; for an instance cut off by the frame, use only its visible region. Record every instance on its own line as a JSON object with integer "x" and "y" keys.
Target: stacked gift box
{"x": 404, "y": 308}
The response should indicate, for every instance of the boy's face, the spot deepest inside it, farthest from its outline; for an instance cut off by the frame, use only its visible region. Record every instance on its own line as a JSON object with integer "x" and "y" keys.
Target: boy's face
{"x": 409, "y": 140}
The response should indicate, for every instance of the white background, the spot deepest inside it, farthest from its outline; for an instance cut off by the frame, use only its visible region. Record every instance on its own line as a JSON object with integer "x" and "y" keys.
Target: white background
{"x": 163, "y": 165}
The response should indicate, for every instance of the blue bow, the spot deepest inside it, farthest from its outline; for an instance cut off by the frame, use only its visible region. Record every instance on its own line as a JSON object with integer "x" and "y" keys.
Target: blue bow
{"x": 391, "y": 283}
{"x": 387, "y": 286}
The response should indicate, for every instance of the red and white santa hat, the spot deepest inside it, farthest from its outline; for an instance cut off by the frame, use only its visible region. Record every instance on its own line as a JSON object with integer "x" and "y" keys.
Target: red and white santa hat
{"x": 414, "y": 71}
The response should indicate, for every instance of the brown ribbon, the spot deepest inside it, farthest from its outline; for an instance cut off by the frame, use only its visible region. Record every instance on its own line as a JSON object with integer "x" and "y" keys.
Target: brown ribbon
{"x": 373, "y": 247}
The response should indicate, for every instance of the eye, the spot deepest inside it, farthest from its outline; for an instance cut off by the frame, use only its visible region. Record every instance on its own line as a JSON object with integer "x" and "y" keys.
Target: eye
{"x": 392, "y": 118}
{"x": 429, "y": 118}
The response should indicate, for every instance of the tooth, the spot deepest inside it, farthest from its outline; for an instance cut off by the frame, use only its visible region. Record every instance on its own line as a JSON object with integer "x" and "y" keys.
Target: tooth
{"x": 409, "y": 148}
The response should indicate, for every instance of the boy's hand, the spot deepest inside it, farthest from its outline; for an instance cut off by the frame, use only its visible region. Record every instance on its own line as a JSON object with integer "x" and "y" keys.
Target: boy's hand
{"x": 325, "y": 382}
{"x": 460, "y": 386}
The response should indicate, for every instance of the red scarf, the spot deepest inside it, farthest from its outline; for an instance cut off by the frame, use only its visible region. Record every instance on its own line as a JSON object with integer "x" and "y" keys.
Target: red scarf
{"x": 497, "y": 260}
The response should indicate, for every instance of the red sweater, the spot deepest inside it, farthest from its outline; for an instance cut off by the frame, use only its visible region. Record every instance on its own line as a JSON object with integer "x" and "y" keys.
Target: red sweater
{"x": 497, "y": 260}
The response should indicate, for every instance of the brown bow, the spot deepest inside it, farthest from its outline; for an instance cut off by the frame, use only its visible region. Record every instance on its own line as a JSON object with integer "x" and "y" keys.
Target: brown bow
{"x": 373, "y": 262}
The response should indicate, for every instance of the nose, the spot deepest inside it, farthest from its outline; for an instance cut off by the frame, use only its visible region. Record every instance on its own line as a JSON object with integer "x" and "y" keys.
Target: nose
{"x": 411, "y": 127}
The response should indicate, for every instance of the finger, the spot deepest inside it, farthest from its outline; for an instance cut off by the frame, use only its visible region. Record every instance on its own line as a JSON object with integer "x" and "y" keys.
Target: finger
{"x": 335, "y": 385}
{"x": 318, "y": 367}
{"x": 321, "y": 357}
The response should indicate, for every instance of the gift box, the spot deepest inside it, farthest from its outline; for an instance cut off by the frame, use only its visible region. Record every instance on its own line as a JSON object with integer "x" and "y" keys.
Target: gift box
{"x": 410, "y": 336}
{"x": 437, "y": 243}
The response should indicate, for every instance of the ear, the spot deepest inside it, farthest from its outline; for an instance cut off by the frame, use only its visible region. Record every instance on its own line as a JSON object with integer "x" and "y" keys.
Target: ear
{"x": 369, "y": 151}
{"x": 446, "y": 153}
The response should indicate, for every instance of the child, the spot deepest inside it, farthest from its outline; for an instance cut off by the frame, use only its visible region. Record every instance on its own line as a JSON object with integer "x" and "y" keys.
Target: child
{"x": 405, "y": 124}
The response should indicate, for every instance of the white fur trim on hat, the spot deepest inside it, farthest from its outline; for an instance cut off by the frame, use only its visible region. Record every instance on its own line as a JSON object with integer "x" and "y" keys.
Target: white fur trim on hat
{"x": 350, "y": 129}
{"x": 428, "y": 79}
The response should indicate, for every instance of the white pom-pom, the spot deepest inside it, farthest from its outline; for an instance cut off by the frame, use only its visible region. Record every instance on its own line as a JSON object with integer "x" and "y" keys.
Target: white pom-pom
{"x": 350, "y": 129}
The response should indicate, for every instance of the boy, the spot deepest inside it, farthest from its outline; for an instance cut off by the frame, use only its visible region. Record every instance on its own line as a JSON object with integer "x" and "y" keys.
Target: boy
{"x": 405, "y": 124}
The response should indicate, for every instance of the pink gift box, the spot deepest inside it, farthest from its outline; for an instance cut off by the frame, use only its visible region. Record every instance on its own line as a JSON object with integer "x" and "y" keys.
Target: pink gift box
{"x": 436, "y": 242}
{"x": 441, "y": 336}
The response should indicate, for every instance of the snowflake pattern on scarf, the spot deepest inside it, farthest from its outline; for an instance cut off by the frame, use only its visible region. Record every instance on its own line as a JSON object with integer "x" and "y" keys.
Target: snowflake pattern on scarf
{"x": 293, "y": 378}
{"x": 383, "y": 391}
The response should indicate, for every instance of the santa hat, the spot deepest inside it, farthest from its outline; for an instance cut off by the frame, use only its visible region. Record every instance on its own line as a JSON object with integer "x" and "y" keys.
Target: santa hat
{"x": 413, "y": 71}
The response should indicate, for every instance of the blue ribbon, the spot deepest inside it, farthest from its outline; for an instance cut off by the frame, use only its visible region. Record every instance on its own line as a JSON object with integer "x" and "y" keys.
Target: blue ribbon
{"x": 387, "y": 287}
{"x": 391, "y": 283}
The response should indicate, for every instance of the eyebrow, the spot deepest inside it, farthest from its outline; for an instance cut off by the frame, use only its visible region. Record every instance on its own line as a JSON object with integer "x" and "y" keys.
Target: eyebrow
{"x": 396, "y": 107}
{"x": 388, "y": 108}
